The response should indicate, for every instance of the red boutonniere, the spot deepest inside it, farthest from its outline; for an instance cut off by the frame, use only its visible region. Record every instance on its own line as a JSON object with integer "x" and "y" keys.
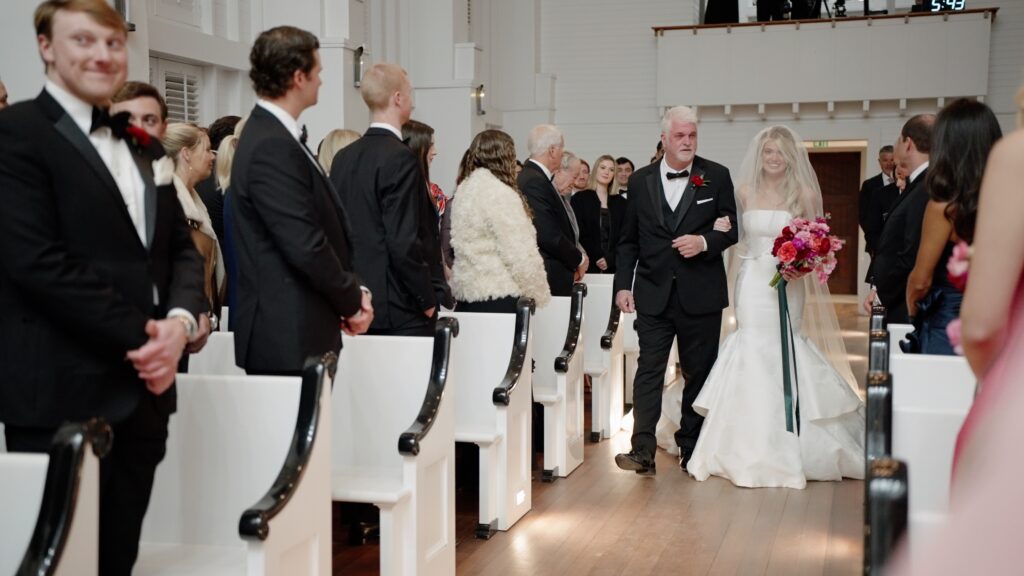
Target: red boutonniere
{"x": 140, "y": 137}
{"x": 698, "y": 181}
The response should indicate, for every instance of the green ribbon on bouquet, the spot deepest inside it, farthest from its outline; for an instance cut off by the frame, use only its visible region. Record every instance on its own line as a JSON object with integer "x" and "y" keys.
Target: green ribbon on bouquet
{"x": 790, "y": 385}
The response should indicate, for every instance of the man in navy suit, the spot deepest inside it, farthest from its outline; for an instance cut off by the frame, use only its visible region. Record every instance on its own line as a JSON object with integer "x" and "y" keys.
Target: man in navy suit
{"x": 394, "y": 229}
{"x": 100, "y": 283}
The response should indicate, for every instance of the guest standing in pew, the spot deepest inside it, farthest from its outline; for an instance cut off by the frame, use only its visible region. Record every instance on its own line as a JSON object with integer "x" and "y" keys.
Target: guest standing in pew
{"x": 420, "y": 138}
{"x": 295, "y": 278}
{"x": 982, "y": 533}
{"x": 897, "y": 245}
{"x": 209, "y": 189}
{"x": 563, "y": 180}
{"x": 965, "y": 131}
{"x": 395, "y": 233}
{"x": 564, "y": 262}
{"x": 331, "y": 144}
{"x": 225, "y": 159}
{"x": 669, "y": 240}
{"x": 496, "y": 256}
{"x": 100, "y": 283}
{"x": 145, "y": 106}
{"x": 623, "y": 170}
{"x": 189, "y": 146}
{"x": 582, "y": 178}
{"x": 599, "y": 213}
{"x": 869, "y": 210}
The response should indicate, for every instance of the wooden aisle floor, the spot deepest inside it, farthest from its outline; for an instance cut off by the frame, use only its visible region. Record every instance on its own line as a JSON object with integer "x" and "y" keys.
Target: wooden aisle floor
{"x": 604, "y": 521}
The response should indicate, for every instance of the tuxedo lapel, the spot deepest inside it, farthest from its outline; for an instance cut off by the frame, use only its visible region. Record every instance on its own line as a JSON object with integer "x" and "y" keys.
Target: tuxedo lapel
{"x": 690, "y": 192}
{"x": 657, "y": 194}
{"x": 69, "y": 130}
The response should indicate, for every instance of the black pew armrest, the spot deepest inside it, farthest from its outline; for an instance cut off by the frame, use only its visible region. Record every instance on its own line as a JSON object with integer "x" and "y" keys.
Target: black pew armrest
{"x": 613, "y": 326}
{"x": 409, "y": 441}
{"x": 255, "y": 522}
{"x": 572, "y": 336}
{"x": 60, "y": 492}
{"x": 503, "y": 393}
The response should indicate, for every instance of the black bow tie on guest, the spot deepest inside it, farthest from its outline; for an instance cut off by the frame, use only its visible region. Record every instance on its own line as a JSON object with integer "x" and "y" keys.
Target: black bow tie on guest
{"x": 118, "y": 123}
{"x": 303, "y": 136}
{"x": 674, "y": 175}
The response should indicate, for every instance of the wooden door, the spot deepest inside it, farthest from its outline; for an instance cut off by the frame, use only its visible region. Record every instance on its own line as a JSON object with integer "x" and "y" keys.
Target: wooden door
{"x": 839, "y": 178}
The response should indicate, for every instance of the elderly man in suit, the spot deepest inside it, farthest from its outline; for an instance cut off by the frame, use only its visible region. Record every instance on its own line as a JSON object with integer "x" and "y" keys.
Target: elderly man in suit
{"x": 395, "y": 232}
{"x": 678, "y": 290}
{"x": 564, "y": 261}
{"x": 295, "y": 278}
{"x": 100, "y": 283}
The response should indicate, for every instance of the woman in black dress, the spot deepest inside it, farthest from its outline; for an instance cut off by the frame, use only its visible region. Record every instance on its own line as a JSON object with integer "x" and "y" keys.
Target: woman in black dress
{"x": 600, "y": 213}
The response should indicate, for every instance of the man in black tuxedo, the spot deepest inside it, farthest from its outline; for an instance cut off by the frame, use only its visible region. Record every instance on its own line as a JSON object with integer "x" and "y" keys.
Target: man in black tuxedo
{"x": 295, "y": 279}
{"x": 395, "y": 232}
{"x": 99, "y": 281}
{"x": 564, "y": 262}
{"x": 679, "y": 286}
{"x": 868, "y": 209}
{"x": 145, "y": 106}
{"x": 896, "y": 251}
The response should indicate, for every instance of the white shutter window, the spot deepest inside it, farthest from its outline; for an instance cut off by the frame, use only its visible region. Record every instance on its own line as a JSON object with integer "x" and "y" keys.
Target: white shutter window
{"x": 181, "y": 87}
{"x": 181, "y": 90}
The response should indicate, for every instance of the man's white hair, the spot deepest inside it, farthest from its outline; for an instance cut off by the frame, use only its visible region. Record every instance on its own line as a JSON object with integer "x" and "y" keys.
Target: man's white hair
{"x": 683, "y": 114}
{"x": 542, "y": 137}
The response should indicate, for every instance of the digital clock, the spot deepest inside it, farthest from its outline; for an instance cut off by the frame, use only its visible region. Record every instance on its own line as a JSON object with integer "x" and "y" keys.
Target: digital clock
{"x": 946, "y": 5}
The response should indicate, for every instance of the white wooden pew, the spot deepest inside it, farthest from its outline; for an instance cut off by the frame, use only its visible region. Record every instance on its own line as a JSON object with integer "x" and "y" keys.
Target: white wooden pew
{"x": 394, "y": 445}
{"x": 49, "y": 504}
{"x": 931, "y": 397}
{"x": 217, "y": 358}
{"x": 558, "y": 381}
{"x": 245, "y": 485}
{"x": 604, "y": 357}
{"x": 493, "y": 358}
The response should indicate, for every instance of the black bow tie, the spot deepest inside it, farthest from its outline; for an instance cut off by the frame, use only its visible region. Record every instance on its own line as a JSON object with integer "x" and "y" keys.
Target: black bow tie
{"x": 303, "y": 136}
{"x": 118, "y": 123}
{"x": 674, "y": 175}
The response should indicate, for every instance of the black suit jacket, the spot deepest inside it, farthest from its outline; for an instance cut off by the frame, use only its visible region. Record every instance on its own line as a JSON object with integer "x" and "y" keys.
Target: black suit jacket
{"x": 871, "y": 225}
{"x": 295, "y": 279}
{"x": 897, "y": 249}
{"x": 76, "y": 282}
{"x": 555, "y": 237}
{"x": 646, "y": 241}
{"x": 587, "y": 207}
{"x": 394, "y": 232}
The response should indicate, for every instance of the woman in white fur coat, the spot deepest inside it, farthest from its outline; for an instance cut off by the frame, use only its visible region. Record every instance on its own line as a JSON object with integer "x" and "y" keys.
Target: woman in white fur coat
{"x": 495, "y": 244}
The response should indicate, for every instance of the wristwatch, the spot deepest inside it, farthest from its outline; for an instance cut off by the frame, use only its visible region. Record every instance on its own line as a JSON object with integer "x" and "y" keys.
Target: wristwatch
{"x": 191, "y": 330}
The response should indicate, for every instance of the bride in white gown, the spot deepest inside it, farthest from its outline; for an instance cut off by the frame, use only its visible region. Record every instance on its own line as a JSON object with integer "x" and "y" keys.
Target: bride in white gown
{"x": 744, "y": 436}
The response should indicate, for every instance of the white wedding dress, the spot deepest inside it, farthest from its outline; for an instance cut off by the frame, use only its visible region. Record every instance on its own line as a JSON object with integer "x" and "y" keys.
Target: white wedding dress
{"x": 744, "y": 435}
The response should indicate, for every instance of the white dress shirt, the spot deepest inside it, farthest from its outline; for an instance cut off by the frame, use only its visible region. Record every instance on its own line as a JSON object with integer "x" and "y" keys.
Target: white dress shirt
{"x": 674, "y": 188}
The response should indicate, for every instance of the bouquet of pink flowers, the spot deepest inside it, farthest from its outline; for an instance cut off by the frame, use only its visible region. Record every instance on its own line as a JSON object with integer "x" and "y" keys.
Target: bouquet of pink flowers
{"x": 806, "y": 246}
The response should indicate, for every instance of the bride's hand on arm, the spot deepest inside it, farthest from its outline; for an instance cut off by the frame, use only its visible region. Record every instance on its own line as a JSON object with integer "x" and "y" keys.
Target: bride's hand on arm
{"x": 723, "y": 224}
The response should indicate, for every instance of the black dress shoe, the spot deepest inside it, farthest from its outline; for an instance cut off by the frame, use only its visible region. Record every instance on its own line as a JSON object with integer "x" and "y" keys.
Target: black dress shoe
{"x": 636, "y": 461}
{"x": 683, "y": 459}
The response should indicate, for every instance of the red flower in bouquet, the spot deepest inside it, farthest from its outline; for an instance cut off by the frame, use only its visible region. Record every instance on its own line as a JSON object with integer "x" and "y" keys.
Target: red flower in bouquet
{"x": 806, "y": 246}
